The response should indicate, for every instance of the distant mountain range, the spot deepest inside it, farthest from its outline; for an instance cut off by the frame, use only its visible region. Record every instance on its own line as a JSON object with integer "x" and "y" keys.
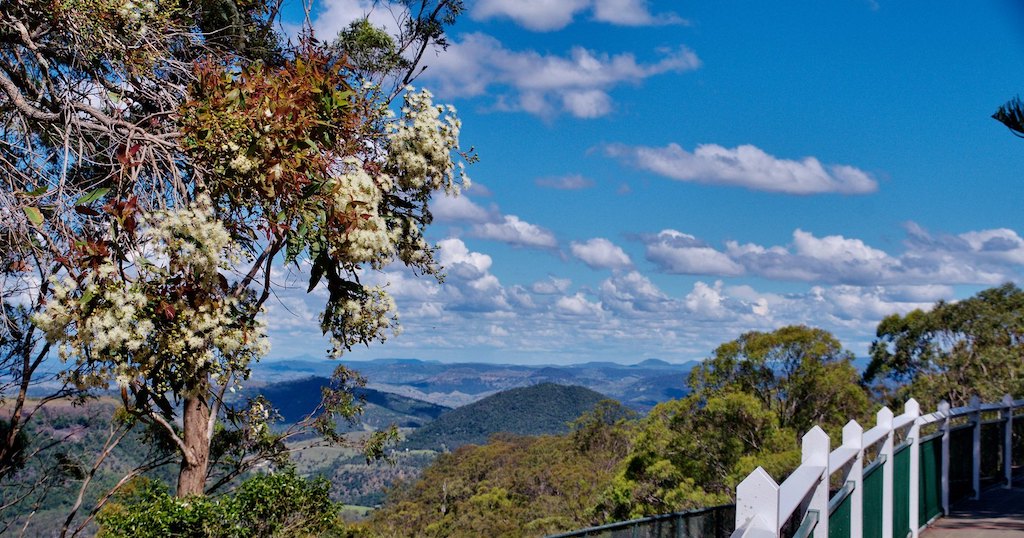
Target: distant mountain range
{"x": 639, "y": 386}
{"x": 541, "y": 409}
{"x": 295, "y": 399}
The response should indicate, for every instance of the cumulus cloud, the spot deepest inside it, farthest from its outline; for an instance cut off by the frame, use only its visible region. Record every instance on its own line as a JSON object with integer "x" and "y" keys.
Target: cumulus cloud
{"x": 544, "y": 84}
{"x": 745, "y": 166}
{"x": 675, "y": 252}
{"x": 837, "y": 259}
{"x": 457, "y": 209}
{"x": 551, "y": 286}
{"x": 536, "y": 15}
{"x": 336, "y": 15}
{"x": 633, "y": 294}
{"x": 548, "y": 15}
{"x": 572, "y": 182}
{"x": 469, "y": 286}
{"x": 516, "y": 232}
{"x": 577, "y": 305}
{"x": 632, "y": 13}
{"x": 600, "y": 253}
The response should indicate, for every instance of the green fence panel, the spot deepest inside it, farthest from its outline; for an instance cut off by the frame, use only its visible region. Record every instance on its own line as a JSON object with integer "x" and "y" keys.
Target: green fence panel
{"x": 930, "y": 480}
{"x": 873, "y": 500}
{"x": 961, "y": 456}
{"x": 839, "y": 519}
{"x": 901, "y": 492}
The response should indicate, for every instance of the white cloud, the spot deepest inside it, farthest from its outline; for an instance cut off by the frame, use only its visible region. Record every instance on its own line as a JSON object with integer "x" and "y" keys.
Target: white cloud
{"x": 600, "y": 253}
{"x": 536, "y": 15}
{"x": 587, "y": 103}
{"x": 548, "y": 15}
{"x": 516, "y": 232}
{"x": 573, "y": 182}
{"x": 927, "y": 260}
{"x": 706, "y": 302}
{"x": 745, "y": 166}
{"x": 469, "y": 285}
{"x": 676, "y": 252}
{"x": 577, "y": 305}
{"x": 633, "y": 294}
{"x": 544, "y": 84}
{"x": 632, "y": 13}
{"x": 457, "y": 208}
{"x": 336, "y": 15}
{"x": 551, "y": 286}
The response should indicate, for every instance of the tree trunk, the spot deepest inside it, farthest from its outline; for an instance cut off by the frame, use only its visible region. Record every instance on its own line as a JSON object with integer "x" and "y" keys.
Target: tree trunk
{"x": 192, "y": 477}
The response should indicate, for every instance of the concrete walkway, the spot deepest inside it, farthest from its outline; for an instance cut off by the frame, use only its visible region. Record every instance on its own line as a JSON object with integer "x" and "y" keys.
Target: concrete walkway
{"x": 998, "y": 514}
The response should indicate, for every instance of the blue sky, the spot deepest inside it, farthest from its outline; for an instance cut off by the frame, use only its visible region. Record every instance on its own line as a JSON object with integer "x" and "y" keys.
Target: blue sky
{"x": 657, "y": 178}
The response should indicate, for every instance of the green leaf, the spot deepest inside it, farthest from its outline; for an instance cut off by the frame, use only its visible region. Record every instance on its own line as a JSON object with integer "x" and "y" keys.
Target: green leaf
{"x": 317, "y": 272}
{"x": 37, "y": 192}
{"x": 34, "y": 215}
{"x": 86, "y": 297}
{"x": 92, "y": 196}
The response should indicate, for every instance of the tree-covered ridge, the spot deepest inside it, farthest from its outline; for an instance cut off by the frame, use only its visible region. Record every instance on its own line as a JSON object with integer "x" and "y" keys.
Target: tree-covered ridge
{"x": 537, "y": 410}
{"x": 512, "y": 486}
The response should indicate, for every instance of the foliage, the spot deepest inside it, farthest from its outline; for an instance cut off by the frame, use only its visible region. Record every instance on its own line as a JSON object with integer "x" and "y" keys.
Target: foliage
{"x": 279, "y": 504}
{"x": 159, "y": 158}
{"x": 953, "y": 351}
{"x": 769, "y": 388}
{"x": 1011, "y": 114}
{"x": 545, "y": 408}
{"x": 511, "y": 486}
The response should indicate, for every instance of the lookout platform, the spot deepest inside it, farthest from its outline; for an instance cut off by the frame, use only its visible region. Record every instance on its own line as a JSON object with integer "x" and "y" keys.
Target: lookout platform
{"x": 999, "y": 513}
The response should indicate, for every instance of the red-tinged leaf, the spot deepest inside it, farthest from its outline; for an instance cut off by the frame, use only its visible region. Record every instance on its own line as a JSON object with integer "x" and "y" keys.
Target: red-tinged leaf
{"x": 85, "y": 210}
{"x": 166, "y": 309}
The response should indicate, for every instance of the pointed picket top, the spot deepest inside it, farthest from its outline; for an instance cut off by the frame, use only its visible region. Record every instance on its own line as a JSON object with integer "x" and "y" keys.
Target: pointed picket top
{"x": 1008, "y": 400}
{"x": 757, "y": 500}
{"x": 884, "y": 417}
{"x": 853, "y": 434}
{"x": 944, "y": 408}
{"x": 975, "y": 401}
{"x": 815, "y": 447}
{"x": 912, "y": 408}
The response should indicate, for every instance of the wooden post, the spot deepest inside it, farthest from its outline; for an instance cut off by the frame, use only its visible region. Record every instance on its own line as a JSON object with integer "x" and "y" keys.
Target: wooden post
{"x": 944, "y": 479}
{"x": 913, "y": 409}
{"x": 757, "y": 506}
{"x": 976, "y": 452}
{"x": 884, "y": 419}
{"x": 814, "y": 451}
{"x": 853, "y": 436}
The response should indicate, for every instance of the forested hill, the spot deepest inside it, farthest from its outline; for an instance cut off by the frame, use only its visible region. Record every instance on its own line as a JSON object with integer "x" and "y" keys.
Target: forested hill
{"x": 297, "y": 398}
{"x": 546, "y": 408}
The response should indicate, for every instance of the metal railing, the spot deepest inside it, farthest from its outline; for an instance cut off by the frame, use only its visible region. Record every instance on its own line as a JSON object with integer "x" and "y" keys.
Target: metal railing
{"x": 906, "y": 485}
{"x": 714, "y": 522}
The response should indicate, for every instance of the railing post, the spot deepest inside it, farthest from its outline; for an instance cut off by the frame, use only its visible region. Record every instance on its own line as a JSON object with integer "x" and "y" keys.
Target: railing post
{"x": 884, "y": 418}
{"x": 913, "y": 409}
{"x": 853, "y": 436}
{"x": 757, "y": 506}
{"x": 976, "y": 457}
{"x": 814, "y": 451}
{"x": 1008, "y": 440}
{"x": 944, "y": 479}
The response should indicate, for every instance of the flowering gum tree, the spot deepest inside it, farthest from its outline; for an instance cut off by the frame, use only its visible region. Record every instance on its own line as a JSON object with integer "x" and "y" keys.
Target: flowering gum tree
{"x": 159, "y": 158}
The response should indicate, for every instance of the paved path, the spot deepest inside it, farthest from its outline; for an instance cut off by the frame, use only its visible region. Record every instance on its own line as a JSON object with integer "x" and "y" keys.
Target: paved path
{"x": 998, "y": 514}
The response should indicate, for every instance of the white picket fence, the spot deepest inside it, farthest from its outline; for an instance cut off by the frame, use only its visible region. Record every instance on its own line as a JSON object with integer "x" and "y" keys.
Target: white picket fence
{"x": 764, "y": 506}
